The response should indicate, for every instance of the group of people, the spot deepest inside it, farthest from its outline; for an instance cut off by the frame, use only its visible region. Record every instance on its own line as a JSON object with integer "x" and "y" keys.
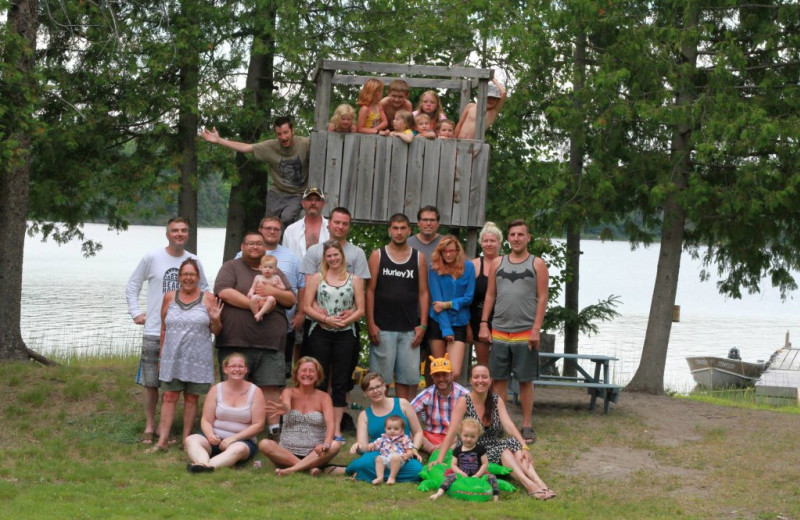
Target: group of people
{"x": 298, "y": 304}
{"x": 414, "y": 290}
{"x": 393, "y": 114}
{"x": 287, "y": 156}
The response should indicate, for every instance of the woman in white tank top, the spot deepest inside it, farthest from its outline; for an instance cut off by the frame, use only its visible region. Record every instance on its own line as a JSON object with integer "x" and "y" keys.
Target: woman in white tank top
{"x": 233, "y": 415}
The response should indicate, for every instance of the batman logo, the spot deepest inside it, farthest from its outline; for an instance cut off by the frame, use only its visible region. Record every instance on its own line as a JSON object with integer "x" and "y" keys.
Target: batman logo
{"x": 514, "y": 276}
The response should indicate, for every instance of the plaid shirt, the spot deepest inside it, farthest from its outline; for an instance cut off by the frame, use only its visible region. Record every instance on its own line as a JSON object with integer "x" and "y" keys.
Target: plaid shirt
{"x": 387, "y": 445}
{"x": 436, "y": 409}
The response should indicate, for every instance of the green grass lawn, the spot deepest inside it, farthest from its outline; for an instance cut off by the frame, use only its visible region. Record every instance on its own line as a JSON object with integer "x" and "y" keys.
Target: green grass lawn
{"x": 70, "y": 450}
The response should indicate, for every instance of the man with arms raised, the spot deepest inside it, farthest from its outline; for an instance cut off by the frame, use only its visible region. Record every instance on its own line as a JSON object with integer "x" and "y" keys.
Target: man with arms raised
{"x": 287, "y": 157}
{"x": 435, "y": 404}
{"x": 261, "y": 342}
{"x": 159, "y": 269}
{"x": 397, "y": 308}
{"x": 517, "y": 291}
{"x": 495, "y": 100}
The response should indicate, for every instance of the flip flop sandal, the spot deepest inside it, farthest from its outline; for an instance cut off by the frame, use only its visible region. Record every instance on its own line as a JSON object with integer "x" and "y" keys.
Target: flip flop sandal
{"x": 147, "y": 438}
{"x": 528, "y": 435}
{"x": 199, "y": 468}
{"x": 541, "y": 494}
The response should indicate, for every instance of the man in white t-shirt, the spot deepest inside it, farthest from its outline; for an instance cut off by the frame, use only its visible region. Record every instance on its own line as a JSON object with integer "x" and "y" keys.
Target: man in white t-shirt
{"x": 159, "y": 269}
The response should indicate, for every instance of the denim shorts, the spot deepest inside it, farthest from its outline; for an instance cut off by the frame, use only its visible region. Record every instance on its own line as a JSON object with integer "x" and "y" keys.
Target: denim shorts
{"x": 247, "y": 442}
{"x": 394, "y": 359}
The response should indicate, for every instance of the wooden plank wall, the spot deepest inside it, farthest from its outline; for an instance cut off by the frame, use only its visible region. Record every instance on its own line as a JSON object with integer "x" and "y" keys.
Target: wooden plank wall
{"x": 375, "y": 176}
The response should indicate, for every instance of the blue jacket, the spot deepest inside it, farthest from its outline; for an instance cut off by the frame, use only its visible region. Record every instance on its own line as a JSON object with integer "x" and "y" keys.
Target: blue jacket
{"x": 445, "y": 288}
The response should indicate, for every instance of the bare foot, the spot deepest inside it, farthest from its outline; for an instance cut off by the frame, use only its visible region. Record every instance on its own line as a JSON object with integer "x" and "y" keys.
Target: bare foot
{"x": 281, "y": 472}
{"x": 435, "y": 496}
{"x": 390, "y": 481}
{"x": 495, "y": 498}
{"x": 376, "y": 481}
{"x": 315, "y": 472}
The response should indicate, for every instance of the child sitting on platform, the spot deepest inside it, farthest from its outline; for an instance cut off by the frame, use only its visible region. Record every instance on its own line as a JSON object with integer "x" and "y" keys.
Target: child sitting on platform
{"x": 430, "y": 105}
{"x": 371, "y": 117}
{"x": 396, "y": 100}
{"x": 446, "y": 130}
{"x": 343, "y": 118}
{"x": 423, "y": 124}
{"x": 469, "y": 459}
{"x": 403, "y": 126}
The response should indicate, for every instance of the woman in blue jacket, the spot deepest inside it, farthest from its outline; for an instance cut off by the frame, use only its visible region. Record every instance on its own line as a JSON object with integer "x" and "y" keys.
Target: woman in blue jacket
{"x": 451, "y": 281}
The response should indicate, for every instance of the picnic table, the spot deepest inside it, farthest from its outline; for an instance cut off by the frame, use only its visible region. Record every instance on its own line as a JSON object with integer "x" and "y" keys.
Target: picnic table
{"x": 597, "y": 384}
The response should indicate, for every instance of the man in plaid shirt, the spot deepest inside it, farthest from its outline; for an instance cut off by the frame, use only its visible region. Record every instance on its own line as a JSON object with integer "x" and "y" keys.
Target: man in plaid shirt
{"x": 435, "y": 404}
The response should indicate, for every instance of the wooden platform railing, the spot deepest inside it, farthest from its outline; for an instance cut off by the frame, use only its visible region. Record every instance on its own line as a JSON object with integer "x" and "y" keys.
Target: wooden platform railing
{"x": 376, "y": 176}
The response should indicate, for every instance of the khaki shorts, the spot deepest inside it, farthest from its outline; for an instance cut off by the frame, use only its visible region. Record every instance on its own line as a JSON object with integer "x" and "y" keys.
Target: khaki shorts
{"x": 176, "y": 385}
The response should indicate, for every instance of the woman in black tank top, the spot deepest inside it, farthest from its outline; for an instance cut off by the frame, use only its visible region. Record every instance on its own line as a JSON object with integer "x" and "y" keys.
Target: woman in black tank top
{"x": 491, "y": 239}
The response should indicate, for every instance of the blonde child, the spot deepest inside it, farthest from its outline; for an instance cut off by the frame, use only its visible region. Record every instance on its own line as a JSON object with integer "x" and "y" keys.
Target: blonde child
{"x": 403, "y": 126}
{"x": 395, "y": 449}
{"x": 495, "y": 100}
{"x": 423, "y": 125}
{"x": 446, "y": 130}
{"x": 429, "y": 104}
{"x": 258, "y": 304}
{"x": 469, "y": 459}
{"x": 371, "y": 117}
{"x": 397, "y": 99}
{"x": 343, "y": 118}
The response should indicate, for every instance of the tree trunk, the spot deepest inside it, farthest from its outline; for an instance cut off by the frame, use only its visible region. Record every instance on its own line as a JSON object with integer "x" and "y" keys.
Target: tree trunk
{"x": 17, "y": 92}
{"x": 576, "y": 152}
{"x": 649, "y": 377}
{"x": 188, "y": 80}
{"x": 187, "y": 146}
{"x": 248, "y": 198}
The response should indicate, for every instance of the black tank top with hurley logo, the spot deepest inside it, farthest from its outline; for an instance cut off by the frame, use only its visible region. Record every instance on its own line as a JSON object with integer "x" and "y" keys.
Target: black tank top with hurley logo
{"x": 397, "y": 293}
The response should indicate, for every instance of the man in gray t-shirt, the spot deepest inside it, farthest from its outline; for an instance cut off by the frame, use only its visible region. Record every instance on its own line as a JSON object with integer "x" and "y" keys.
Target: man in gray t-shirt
{"x": 339, "y": 228}
{"x": 428, "y": 237}
{"x": 287, "y": 157}
{"x": 517, "y": 290}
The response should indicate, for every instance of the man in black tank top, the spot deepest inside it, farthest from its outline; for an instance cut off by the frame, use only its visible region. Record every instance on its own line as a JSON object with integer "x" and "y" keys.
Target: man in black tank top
{"x": 397, "y": 308}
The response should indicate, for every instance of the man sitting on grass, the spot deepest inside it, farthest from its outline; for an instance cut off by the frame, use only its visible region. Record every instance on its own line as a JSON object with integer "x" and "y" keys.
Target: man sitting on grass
{"x": 435, "y": 404}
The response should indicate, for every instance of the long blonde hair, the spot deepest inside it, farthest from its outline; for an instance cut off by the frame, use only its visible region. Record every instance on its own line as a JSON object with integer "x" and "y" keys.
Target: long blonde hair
{"x": 371, "y": 92}
{"x": 437, "y": 114}
{"x": 324, "y": 264}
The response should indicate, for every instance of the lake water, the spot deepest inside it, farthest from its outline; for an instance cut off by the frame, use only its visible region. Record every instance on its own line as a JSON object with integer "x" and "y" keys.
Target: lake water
{"x": 77, "y": 304}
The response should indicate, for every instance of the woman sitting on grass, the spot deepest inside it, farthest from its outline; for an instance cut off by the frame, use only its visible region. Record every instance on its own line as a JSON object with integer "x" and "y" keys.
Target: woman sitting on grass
{"x": 308, "y": 424}
{"x": 371, "y": 426}
{"x": 233, "y": 414}
{"x": 490, "y": 410}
